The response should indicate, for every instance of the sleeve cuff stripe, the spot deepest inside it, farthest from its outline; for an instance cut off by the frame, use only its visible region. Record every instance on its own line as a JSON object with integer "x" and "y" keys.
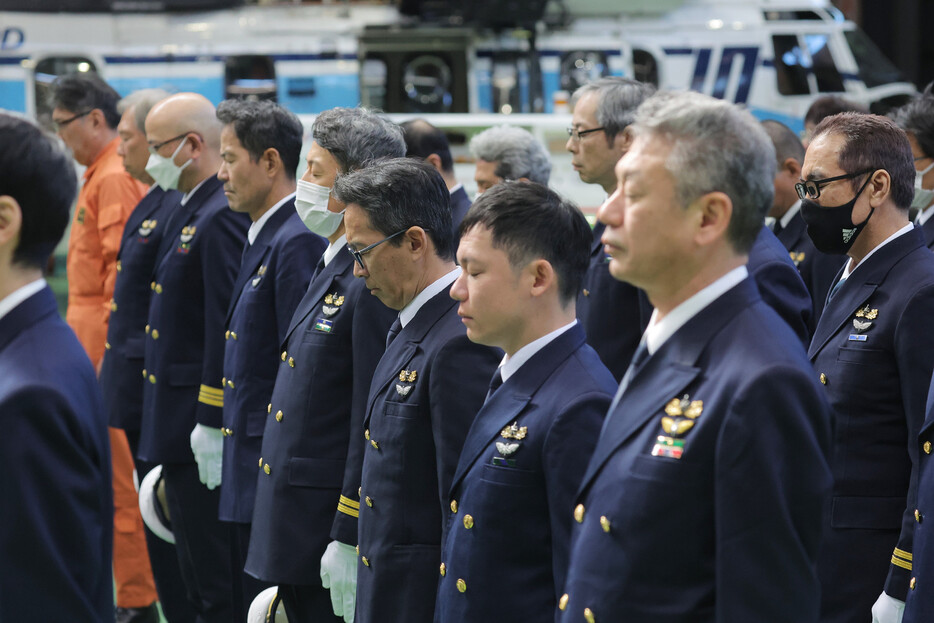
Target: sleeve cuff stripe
{"x": 211, "y": 396}
{"x": 348, "y": 502}
{"x": 898, "y": 562}
{"x": 900, "y": 553}
{"x": 348, "y": 510}
{"x": 214, "y": 391}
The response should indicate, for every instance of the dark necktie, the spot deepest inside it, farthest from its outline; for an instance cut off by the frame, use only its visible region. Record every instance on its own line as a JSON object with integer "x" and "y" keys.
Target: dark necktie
{"x": 495, "y": 383}
{"x": 777, "y": 228}
{"x": 393, "y": 331}
{"x": 318, "y": 268}
{"x": 835, "y": 289}
{"x": 638, "y": 360}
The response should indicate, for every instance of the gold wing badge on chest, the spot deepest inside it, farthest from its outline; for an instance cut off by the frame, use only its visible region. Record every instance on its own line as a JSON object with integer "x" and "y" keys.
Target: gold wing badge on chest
{"x": 679, "y": 418}
{"x": 185, "y": 238}
{"x": 260, "y": 272}
{"x": 147, "y": 227}
{"x": 513, "y": 434}
{"x": 332, "y": 304}
{"x": 408, "y": 377}
{"x": 862, "y": 322}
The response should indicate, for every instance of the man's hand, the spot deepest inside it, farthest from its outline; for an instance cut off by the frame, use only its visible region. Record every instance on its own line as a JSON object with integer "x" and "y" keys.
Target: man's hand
{"x": 339, "y": 574}
{"x": 888, "y": 610}
{"x": 207, "y": 444}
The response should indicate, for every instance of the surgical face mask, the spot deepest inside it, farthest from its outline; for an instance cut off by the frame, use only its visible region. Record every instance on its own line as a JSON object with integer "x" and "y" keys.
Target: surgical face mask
{"x": 311, "y": 203}
{"x": 164, "y": 170}
{"x": 923, "y": 196}
{"x": 831, "y": 229}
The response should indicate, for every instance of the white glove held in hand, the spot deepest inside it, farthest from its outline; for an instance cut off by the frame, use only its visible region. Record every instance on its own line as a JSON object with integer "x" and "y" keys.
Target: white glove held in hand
{"x": 888, "y": 610}
{"x": 207, "y": 444}
{"x": 339, "y": 574}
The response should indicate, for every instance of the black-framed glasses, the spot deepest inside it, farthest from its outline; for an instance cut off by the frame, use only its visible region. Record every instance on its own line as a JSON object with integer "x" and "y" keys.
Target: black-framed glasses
{"x": 63, "y": 122}
{"x": 577, "y": 135}
{"x": 358, "y": 255}
{"x": 154, "y": 147}
{"x": 811, "y": 188}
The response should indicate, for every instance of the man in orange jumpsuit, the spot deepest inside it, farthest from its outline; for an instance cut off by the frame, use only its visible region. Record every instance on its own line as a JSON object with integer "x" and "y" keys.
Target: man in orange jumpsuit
{"x": 85, "y": 115}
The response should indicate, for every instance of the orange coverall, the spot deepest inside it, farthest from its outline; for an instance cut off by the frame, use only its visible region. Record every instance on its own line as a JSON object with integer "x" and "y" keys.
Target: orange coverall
{"x": 104, "y": 203}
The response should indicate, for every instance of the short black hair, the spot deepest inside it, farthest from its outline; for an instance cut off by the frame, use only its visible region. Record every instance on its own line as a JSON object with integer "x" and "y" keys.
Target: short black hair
{"x": 399, "y": 193}
{"x": 423, "y": 139}
{"x": 83, "y": 92}
{"x": 41, "y": 178}
{"x": 529, "y": 221}
{"x": 829, "y": 105}
{"x": 917, "y": 118}
{"x": 787, "y": 144}
{"x": 261, "y": 125}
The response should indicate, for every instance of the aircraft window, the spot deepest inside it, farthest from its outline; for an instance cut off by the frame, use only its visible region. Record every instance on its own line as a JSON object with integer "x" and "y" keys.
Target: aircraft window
{"x": 874, "y": 68}
{"x": 250, "y": 77}
{"x": 580, "y": 67}
{"x": 373, "y": 78}
{"x": 47, "y": 70}
{"x": 781, "y": 16}
{"x": 828, "y": 78}
{"x": 426, "y": 81}
{"x": 644, "y": 67}
{"x": 791, "y": 65}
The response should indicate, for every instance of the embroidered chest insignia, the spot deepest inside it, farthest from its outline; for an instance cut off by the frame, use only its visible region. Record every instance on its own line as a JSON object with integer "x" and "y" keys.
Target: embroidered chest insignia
{"x": 506, "y": 449}
{"x": 147, "y": 227}
{"x": 79, "y": 216}
{"x": 332, "y": 304}
{"x": 797, "y": 258}
{"x": 406, "y": 376}
{"x": 188, "y": 233}
{"x": 259, "y": 275}
{"x": 514, "y": 431}
{"x": 679, "y": 418}
{"x": 862, "y": 319}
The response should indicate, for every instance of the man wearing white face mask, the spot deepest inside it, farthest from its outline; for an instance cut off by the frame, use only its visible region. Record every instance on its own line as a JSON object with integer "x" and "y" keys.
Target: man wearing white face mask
{"x": 195, "y": 267}
{"x": 917, "y": 120}
{"x": 309, "y": 473}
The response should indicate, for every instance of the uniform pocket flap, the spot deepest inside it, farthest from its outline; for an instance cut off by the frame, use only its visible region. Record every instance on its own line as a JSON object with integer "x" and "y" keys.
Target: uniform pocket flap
{"x": 513, "y": 476}
{"x": 185, "y": 374}
{"x": 321, "y": 473}
{"x": 867, "y": 513}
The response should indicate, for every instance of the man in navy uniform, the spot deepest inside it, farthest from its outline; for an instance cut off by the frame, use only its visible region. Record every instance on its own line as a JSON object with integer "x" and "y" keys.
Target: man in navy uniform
{"x": 919, "y": 603}
{"x": 507, "y": 152}
{"x": 916, "y": 118}
{"x": 702, "y": 501}
{"x": 425, "y": 141}
{"x": 122, "y": 366}
{"x": 56, "y": 519}
{"x": 524, "y": 251}
{"x": 307, "y": 493}
{"x": 261, "y": 143}
{"x": 873, "y": 352}
{"x": 191, "y": 290}
{"x": 818, "y": 270}
{"x": 426, "y": 389}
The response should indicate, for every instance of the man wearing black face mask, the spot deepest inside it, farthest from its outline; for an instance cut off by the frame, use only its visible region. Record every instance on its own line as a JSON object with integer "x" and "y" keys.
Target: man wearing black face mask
{"x": 874, "y": 353}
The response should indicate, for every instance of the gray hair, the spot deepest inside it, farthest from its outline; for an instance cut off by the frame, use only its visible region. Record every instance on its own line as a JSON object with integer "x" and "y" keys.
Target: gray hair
{"x": 355, "y": 136}
{"x": 515, "y": 151}
{"x": 618, "y": 100}
{"x": 143, "y": 101}
{"x": 715, "y": 147}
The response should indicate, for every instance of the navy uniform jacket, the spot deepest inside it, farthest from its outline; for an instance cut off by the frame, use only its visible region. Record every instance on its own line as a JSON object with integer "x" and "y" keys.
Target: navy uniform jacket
{"x": 779, "y": 283}
{"x": 310, "y": 474}
{"x": 818, "y": 270}
{"x": 507, "y": 544}
{"x": 874, "y": 351}
{"x": 121, "y": 370}
{"x": 919, "y": 604}
{"x": 460, "y": 203}
{"x": 928, "y": 231}
{"x": 426, "y": 391}
{"x": 274, "y": 272}
{"x": 191, "y": 289}
{"x": 613, "y": 313}
{"x": 56, "y": 514}
{"x": 703, "y": 499}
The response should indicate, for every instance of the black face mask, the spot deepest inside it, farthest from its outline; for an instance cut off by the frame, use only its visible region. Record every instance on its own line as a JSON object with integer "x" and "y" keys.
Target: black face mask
{"x": 831, "y": 229}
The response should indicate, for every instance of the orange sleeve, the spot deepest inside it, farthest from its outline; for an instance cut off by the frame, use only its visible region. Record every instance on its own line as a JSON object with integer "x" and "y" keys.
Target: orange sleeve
{"x": 119, "y": 194}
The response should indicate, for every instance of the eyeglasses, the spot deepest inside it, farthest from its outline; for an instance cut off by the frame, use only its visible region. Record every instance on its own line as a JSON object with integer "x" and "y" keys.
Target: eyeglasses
{"x": 358, "y": 255}
{"x": 577, "y": 135}
{"x": 63, "y": 122}
{"x": 154, "y": 147}
{"x": 811, "y": 188}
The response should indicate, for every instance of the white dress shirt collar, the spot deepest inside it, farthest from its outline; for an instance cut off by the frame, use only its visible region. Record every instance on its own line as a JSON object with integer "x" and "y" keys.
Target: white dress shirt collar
{"x": 408, "y": 312}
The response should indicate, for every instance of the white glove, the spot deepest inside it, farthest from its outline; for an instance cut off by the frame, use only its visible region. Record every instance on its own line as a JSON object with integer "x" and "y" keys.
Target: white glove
{"x": 207, "y": 444}
{"x": 888, "y": 610}
{"x": 339, "y": 573}
{"x": 262, "y": 604}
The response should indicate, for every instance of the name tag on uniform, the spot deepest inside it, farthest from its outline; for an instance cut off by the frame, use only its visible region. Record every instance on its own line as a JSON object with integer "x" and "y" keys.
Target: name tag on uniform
{"x": 323, "y": 325}
{"x": 857, "y": 338}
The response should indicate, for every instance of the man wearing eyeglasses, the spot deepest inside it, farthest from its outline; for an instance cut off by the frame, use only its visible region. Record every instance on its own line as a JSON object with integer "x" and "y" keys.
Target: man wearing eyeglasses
{"x": 85, "y": 116}
{"x": 195, "y": 267}
{"x": 874, "y": 353}
{"x": 307, "y": 494}
{"x": 426, "y": 389}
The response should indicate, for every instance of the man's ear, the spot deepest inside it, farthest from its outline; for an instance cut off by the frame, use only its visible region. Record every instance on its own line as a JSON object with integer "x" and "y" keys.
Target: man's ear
{"x": 271, "y": 162}
{"x": 11, "y": 220}
{"x": 716, "y": 211}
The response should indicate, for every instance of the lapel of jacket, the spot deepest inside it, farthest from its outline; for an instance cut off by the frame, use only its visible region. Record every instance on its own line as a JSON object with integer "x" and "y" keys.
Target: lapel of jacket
{"x": 406, "y": 343}
{"x": 928, "y": 231}
{"x": 184, "y": 214}
{"x": 150, "y": 202}
{"x": 512, "y": 397}
{"x": 858, "y": 287}
{"x": 596, "y": 247}
{"x": 791, "y": 236}
{"x": 341, "y": 265}
{"x": 666, "y": 373}
{"x": 26, "y": 314}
